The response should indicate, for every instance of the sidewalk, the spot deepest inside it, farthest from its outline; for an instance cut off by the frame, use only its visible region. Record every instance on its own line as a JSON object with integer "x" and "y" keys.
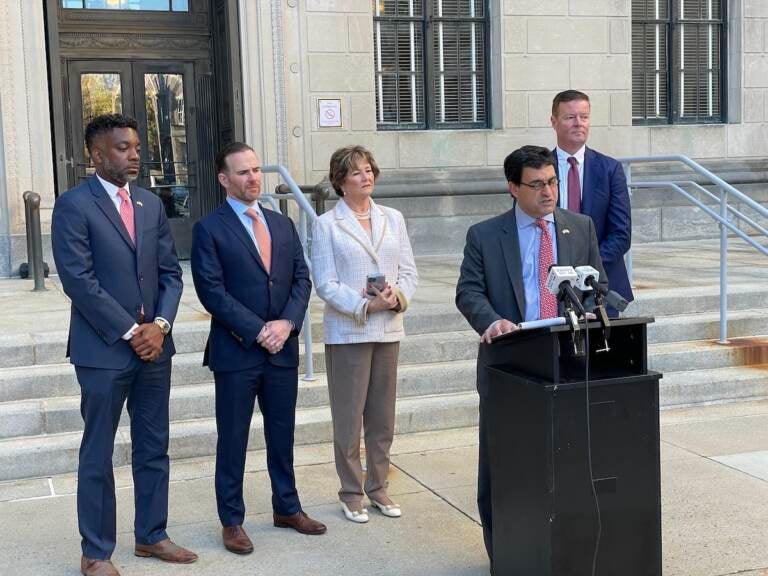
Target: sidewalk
{"x": 714, "y": 510}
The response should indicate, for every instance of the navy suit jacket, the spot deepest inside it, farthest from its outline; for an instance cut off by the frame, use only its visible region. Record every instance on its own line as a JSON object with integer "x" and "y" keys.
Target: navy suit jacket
{"x": 605, "y": 199}
{"x": 241, "y": 297}
{"x": 109, "y": 280}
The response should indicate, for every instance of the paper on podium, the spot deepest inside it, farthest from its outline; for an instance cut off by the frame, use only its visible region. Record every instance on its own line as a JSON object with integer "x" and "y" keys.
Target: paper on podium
{"x": 531, "y": 324}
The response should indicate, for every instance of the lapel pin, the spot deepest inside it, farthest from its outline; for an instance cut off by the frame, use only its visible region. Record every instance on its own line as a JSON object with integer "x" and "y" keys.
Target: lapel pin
{"x": 139, "y": 203}
{"x": 566, "y": 231}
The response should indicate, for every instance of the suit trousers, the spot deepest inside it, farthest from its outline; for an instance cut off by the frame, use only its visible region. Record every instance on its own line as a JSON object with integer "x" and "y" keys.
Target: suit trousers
{"x": 276, "y": 388}
{"x": 146, "y": 386}
{"x": 362, "y": 385}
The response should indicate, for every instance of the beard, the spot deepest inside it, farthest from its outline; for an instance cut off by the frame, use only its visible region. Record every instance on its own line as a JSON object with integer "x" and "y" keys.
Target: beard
{"x": 116, "y": 173}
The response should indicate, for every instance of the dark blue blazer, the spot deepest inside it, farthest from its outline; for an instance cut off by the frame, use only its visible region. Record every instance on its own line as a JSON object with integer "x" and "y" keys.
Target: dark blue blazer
{"x": 107, "y": 279}
{"x": 234, "y": 287}
{"x": 605, "y": 199}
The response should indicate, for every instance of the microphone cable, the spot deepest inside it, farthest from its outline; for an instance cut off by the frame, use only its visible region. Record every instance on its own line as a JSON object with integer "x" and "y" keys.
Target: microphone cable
{"x": 589, "y": 451}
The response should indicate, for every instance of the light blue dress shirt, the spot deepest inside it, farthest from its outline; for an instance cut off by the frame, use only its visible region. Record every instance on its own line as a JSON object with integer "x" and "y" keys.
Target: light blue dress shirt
{"x": 529, "y": 236}
{"x": 563, "y": 167}
{"x": 240, "y": 209}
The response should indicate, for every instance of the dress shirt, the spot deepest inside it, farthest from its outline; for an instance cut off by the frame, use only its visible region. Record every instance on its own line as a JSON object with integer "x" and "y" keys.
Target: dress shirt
{"x": 529, "y": 236}
{"x": 240, "y": 208}
{"x": 111, "y": 190}
{"x": 563, "y": 167}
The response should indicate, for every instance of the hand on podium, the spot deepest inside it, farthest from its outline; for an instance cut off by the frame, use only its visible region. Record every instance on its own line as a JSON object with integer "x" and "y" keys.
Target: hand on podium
{"x": 502, "y": 326}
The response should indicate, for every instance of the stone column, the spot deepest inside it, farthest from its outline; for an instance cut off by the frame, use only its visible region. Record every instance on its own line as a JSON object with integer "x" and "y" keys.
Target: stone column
{"x": 26, "y": 156}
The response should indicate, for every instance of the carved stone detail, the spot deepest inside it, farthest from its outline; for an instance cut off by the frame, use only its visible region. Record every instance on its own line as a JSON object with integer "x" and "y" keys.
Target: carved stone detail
{"x": 132, "y": 42}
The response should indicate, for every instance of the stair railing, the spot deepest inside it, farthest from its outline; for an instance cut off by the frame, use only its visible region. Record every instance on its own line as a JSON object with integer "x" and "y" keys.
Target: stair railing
{"x": 726, "y": 215}
{"x": 307, "y": 216}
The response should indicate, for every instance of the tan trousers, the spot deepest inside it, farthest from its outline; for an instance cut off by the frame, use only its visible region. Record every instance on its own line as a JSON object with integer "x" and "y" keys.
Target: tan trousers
{"x": 362, "y": 382}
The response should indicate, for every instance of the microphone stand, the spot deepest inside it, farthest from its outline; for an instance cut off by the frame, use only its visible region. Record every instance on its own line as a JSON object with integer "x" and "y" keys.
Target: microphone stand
{"x": 568, "y": 297}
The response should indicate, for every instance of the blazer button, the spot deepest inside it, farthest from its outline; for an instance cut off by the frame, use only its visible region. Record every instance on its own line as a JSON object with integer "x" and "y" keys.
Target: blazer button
{"x": 271, "y": 283}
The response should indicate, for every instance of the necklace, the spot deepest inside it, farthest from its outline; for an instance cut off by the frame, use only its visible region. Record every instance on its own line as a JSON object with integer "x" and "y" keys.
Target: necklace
{"x": 364, "y": 215}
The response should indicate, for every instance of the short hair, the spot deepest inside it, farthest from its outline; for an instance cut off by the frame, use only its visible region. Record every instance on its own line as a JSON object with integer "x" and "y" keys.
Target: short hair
{"x": 346, "y": 159}
{"x": 228, "y": 150}
{"x": 106, "y": 123}
{"x": 567, "y": 96}
{"x": 526, "y": 157}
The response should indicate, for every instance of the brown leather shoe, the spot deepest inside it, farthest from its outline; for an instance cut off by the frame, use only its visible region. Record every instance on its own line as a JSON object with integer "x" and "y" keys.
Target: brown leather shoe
{"x": 166, "y": 551}
{"x": 91, "y": 567}
{"x": 300, "y": 522}
{"x": 236, "y": 540}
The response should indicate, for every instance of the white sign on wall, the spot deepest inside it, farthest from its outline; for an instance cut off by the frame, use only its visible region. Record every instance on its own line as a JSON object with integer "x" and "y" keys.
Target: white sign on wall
{"x": 329, "y": 113}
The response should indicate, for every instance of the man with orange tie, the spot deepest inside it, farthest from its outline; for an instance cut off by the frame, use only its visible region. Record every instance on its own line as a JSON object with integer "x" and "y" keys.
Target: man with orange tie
{"x": 504, "y": 272}
{"x": 594, "y": 184}
{"x": 249, "y": 272}
{"x": 117, "y": 263}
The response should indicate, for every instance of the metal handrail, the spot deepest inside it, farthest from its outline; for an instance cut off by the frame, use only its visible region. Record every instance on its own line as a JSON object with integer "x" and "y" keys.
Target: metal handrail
{"x": 725, "y": 216}
{"x": 306, "y": 212}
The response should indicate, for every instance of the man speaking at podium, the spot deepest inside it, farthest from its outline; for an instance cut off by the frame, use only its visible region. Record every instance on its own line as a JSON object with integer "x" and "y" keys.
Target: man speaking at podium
{"x": 504, "y": 272}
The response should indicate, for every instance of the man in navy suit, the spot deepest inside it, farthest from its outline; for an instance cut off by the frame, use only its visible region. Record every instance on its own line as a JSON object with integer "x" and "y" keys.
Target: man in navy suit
{"x": 117, "y": 263}
{"x": 504, "y": 270}
{"x": 249, "y": 272}
{"x": 593, "y": 184}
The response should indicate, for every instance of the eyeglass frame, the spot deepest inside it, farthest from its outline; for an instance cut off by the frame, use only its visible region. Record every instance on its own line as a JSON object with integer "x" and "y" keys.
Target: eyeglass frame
{"x": 539, "y": 185}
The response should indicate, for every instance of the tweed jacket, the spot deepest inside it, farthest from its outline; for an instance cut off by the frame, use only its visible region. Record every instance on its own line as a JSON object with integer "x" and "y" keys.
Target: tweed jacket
{"x": 343, "y": 255}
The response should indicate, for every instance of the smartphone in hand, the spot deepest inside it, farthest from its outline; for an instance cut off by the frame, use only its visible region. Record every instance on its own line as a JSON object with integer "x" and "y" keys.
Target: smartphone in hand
{"x": 377, "y": 281}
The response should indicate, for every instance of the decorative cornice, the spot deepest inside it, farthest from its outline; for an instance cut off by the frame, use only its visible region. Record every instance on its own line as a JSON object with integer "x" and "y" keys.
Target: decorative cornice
{"x": 100, "y": 41}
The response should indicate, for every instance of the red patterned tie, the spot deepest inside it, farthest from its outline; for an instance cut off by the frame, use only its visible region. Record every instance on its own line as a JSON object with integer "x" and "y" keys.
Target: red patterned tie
{"x": 547, "y": 301}
{"x": 262, "y": 238}
{"x": 574, "y": 186}
{"x": 126, "y": 213}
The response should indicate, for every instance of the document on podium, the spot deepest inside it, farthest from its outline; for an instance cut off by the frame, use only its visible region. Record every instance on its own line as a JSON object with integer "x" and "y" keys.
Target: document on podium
{"x": 531, "y": 324}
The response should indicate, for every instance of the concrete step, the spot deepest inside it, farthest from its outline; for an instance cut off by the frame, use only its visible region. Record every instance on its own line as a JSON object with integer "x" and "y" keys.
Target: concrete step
{"x": 41, "y": 348}
{"x": 192, "y": 401}
{"x": 54, "y": 380}
{"x": 57, "y": 453}
{"x": 706, "y": 326}
{"x": 707, "y": 354}
{"x": 684, "y": 388}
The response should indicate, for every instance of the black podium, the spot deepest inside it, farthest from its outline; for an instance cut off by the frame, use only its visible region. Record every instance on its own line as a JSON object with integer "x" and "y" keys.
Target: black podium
{"x": 544, "y": 513}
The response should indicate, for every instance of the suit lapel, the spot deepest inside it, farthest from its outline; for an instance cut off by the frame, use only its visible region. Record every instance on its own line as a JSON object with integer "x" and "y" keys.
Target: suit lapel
{"x": 231, "y": 220}
{"x": 564, "y": 242}
{"x": 589, "y": 181}
{"x": 138, "y": 217}
{"x": 275, "y": 233}
{"x": 345, "y": 220}
{"x": 510, "y": 247}
{"x": 105, "y": 204}
{"x": 378, "y": 226}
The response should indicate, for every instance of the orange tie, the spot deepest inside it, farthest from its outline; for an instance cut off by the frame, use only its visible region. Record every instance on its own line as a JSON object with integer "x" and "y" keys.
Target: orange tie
{"x": 262, "y": 238}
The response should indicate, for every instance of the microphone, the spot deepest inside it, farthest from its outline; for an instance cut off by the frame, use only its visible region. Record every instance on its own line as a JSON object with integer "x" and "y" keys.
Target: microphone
{"x": 588, "y": 279}
{"x": 560, "y": 282}
{"x": 587, "y": 282}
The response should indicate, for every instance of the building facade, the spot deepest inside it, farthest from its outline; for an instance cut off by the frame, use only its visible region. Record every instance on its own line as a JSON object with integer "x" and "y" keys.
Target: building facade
{"x": 427, "y": 85}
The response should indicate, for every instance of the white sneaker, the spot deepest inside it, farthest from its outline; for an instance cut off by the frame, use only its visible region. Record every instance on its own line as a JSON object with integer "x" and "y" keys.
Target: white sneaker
{"x": 392, "y": 510}
{"x": 355, "y": 516}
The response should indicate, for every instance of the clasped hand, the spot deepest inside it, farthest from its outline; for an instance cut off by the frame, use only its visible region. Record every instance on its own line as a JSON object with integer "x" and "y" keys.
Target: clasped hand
{"x": 274, "y": 334}
{"x": 381, "y": 299}
{"x": 147, "y": 341}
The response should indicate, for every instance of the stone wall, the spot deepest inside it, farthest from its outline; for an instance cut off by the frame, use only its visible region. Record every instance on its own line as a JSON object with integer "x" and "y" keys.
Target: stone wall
{"x": 26, "y": 157}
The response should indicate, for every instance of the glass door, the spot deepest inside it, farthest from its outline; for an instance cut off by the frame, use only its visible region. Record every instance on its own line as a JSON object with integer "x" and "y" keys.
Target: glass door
{"x": 161, "y": 98}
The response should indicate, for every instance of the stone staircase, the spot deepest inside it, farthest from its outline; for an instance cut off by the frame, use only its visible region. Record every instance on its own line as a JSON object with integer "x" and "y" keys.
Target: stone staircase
{"x": 40, "y": 424}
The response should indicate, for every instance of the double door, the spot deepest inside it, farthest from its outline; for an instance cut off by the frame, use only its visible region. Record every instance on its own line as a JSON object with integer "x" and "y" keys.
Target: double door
{"x": 161, "y": 96}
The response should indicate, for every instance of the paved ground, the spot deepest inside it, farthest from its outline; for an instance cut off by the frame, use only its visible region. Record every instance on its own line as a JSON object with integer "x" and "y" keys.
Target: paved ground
{"x": 714, "y": 506}
{"x": 714, "y": 476}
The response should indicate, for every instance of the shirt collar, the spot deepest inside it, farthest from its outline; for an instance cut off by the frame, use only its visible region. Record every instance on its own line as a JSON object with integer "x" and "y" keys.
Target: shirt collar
{"x": 241, "y": 207}
{"x": 524, "y": 219}
{"x": 111, "y": 189}
{"x": 563, "y": 156}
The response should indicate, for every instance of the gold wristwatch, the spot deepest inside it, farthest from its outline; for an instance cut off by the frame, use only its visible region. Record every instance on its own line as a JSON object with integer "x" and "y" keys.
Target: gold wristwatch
{"x": 164, "y": 325}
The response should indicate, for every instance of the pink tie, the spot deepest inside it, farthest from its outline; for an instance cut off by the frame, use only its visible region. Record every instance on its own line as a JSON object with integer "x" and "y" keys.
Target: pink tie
{"x": 574, "y": 186}
{"x": 262, "y": 238}
{"x": 547, "y": 301}
{"x": 126, "y": 213}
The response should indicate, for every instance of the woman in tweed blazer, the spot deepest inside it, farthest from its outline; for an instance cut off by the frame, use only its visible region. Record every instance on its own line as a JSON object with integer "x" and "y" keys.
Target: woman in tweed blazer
{"x": 362, "y": 332}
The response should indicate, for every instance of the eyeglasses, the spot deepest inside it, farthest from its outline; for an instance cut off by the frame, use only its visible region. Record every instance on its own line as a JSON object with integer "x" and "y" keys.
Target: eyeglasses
{"x": 539, "y": 185}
